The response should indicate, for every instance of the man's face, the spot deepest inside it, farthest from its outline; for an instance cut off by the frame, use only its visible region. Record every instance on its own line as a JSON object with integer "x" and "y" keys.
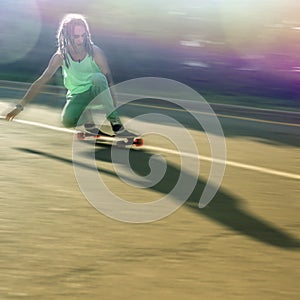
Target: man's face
{"x": 79, "y": 36}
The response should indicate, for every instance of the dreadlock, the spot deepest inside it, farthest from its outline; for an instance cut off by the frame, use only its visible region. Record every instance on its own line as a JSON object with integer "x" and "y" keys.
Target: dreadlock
{"x": 65, "y": 31}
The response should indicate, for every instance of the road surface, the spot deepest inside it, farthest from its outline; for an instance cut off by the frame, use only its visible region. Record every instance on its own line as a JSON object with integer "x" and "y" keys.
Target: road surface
{"x": 243, "y": 245}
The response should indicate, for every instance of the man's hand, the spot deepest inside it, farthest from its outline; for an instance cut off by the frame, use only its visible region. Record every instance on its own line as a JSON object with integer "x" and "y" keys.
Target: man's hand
{"x": 11, "y": 115}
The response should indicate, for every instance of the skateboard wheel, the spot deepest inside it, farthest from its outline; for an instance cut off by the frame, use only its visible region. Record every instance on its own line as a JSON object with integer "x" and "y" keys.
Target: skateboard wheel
{"x": 80, "y": 136}
{"x": 138, "y": 142}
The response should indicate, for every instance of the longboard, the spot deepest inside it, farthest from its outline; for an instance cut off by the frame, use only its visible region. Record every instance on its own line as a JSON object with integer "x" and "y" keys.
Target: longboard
{"x": 120, "y": 141}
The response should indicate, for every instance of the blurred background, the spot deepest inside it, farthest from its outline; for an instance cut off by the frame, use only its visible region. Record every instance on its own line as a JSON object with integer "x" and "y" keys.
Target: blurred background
{"x": 245, "y": 244}
{"x": 237, "y": 52}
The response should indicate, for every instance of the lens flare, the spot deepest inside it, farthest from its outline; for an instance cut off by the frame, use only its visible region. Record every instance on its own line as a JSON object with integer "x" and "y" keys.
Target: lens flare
{"x": 20, "y": 25}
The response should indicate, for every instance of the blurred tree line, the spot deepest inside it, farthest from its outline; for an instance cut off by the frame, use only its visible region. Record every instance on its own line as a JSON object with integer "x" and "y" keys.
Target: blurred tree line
{"x": 192, "y": 44}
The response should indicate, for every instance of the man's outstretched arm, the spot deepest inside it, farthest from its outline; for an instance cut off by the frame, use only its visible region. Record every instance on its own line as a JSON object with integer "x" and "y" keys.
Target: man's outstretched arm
{"x": 54, "y": 63}
{"x": 102, "y": 63}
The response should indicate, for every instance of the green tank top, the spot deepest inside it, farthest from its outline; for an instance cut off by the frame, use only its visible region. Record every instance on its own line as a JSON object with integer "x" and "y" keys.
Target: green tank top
{"x": 78, "y": 77}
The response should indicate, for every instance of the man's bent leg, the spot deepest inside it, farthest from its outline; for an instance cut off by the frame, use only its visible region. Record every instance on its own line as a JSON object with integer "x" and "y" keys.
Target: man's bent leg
{"x": 74, "y": 108}
{"x": 103, "y": 96}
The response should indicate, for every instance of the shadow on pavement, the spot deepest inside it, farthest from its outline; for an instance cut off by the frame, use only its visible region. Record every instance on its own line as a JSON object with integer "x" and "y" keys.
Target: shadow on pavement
{"x": 224, "y": 208}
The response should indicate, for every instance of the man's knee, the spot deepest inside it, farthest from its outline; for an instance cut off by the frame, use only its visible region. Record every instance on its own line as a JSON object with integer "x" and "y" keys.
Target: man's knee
{"x": 98, "y": 79}
{"x": 99, "y": 82}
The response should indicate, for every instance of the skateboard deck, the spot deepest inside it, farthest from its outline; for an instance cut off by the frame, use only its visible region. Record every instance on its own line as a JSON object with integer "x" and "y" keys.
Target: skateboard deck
{"x": 120, "y": 141}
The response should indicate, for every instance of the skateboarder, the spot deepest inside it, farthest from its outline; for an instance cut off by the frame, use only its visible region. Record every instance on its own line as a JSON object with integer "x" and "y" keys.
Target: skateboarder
{"x": 85, "y": 72}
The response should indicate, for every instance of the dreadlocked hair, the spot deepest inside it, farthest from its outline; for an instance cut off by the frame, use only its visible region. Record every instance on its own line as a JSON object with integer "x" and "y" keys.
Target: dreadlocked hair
{"x": 64, "y": 35}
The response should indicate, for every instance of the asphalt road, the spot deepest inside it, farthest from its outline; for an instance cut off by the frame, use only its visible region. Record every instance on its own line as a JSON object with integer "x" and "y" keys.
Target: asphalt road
{"x": 243, "y": 245}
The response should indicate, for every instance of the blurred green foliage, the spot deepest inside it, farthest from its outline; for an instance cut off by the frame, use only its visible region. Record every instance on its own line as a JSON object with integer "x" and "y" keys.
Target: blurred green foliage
{"x": 238, "y": 49}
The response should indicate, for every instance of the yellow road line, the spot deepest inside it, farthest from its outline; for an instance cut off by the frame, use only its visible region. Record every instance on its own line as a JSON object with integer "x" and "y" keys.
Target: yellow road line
{"x": 23, "y": 89}
{"x": 228, "y": 163}
{"x": 220, "y": 115}
{"x": 169, "y": 151}
{"x": 197, "y": 112}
